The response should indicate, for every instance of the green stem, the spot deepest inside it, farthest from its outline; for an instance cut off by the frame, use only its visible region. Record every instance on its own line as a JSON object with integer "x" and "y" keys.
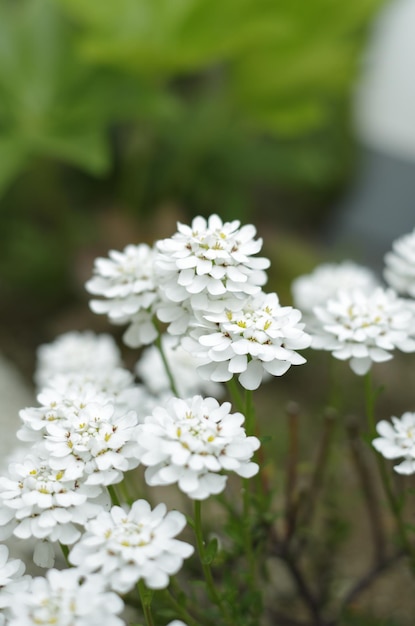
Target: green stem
{"x": 169, "y": 373}
{"x": 394, "y": 504}
{"x": 114, "y": 497}
{"x": 145, "y": 597}
{"x": 181, "y": 610}
{"x": 65, "y": 552}
{"x": 235, "y": 394}
{"x": 213, "y": 594}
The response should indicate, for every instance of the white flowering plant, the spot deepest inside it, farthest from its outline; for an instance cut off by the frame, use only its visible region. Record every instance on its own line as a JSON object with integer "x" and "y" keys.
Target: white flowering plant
{"x": 159, "y": 500}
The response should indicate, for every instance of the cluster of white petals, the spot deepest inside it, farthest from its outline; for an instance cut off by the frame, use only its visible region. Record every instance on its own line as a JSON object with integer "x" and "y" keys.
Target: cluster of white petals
{"x": 207, "y": 266}
{"x": 191, "y": 442}
{"x": 131, "y": 545}
{"x": 326, "y": 280}
{"x": 96, "y": 442}
{"x": 125, "y": 280}
{"x": 68, "y": 394}
{"x": 182, "y": 366}
{"x": 364, "y": 327}
{"x": 397, "y": 440}
{"x": 73, "y": 352}
{"x": 47, "y": 504}
{"x": 66, "y": 598}
{"x": 12, "y": 580}
{"x": 400, "y": 265}
{"x": 259, "y": 339}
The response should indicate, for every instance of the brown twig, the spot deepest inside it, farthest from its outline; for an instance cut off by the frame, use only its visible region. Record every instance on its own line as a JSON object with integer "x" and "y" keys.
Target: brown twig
{"x": 369, "y": 491}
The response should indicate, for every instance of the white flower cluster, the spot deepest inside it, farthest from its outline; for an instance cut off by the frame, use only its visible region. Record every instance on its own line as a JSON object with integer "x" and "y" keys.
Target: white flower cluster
{"x": 400, "y": 265}
{"x": 190, "y": 442}
{"x": 47, "y": 504}
{"x": 131, "y": 545}
{"x": 126, "y": 282}
{"x": 326, "y": 280}
{"x": 397, "y": 440}
{"x": 66, "y": 598}
{"x": 258, "y": 339}
{"x": 204, "y": 278}
{"x": 364, "y": 327}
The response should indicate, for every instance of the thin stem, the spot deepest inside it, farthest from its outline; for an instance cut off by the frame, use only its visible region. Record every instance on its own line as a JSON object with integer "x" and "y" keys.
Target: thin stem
{"x": 181, "y": 610}
{"x": 213, "y": 594}
{"x": 169, "y": 373}
{"x": 290, "y": 500}
{"x": 145, "y": 597}
{"x": 65, "y": 552}
{"x": 249, "y": 413}
{"x": 235, "y": 394}
{"x": 114, "y": 496}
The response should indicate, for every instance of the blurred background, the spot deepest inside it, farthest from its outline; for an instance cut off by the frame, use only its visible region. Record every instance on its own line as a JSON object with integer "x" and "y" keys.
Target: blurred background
{"x": 117, "y": 118}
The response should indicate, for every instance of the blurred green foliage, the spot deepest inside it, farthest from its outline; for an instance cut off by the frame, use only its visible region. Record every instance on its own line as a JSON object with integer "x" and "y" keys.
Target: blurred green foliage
{"x": 210, "y": 105}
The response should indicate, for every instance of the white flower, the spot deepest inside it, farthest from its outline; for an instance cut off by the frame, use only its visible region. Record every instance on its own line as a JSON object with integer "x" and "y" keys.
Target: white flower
{"x": 209, "y": 263}
{"x": 364, "y": 327}
{"x": 190, "y": 442}
{"x": 182, "y": 365}
{"x": 400, "y": 265}
{"x": 74, "y": 352}
{"x": 398, "y": 440}
{"x": 131, "y": 545}
{"x": 259, "y": 339}
{"x": 44, "y": 503}
{"x": 66, "y": 598}
{"x": 126, "y": 282}
{"x": 96, "y": 441}
{"x": 176, "y": 622}
{"x": 326, "y": 280}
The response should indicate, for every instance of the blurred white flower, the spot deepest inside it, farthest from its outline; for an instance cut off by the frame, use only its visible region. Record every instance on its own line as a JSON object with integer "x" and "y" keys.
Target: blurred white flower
{"x": 259, "y": 339}
{"x": 364, "y": 327}
{"x": 182, "y": 365}
{"x": 47, "y": 504}
{"x": 400, "y": 265}
{"x": 326, "y": 280}
{"x": 74, "y": 352}
{"x": 131, "y": 545}
{"x": 190, "y": 442}
{"x": 66, "y": 598}
{"x": 12, "y": 580}
{"x": 205, "y": 265}
{"x": 397, "y": 439}
{"x": 126, "y": 282}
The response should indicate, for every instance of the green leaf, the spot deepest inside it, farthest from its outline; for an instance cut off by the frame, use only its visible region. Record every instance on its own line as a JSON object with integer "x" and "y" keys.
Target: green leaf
{"x": 211, "y": 551}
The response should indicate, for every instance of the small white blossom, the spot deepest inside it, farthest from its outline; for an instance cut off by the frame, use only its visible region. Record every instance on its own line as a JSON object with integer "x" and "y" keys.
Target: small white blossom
{"x": 259, "y": 339}
{"x": 131, "y": 545}
{"x": 126, "y": 282}
{"x": 364, "y": 327}
{"x": 47, "y": 504}
{"x": 397, "y": 439}
{"x": 74, "y": 352}
{"x": 208, "y": 264}
{"x": 400, "y": 265}
{"x": 190, "y": 442}
{"x": 66, "y": 598}
{"x": 182, "y": 365}
{"x": 326, "y": 280}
